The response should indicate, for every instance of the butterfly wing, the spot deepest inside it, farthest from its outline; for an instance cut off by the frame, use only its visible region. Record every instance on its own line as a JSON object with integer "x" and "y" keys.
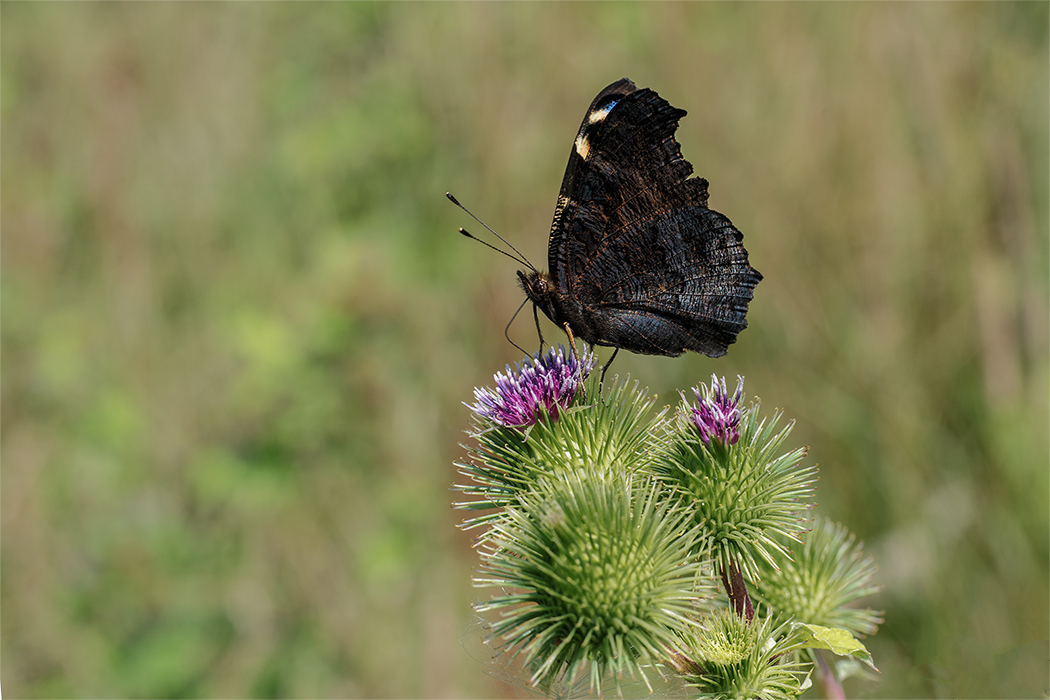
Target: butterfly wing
{"x": 653, "y": 270}
{"x": 680, "y": 281}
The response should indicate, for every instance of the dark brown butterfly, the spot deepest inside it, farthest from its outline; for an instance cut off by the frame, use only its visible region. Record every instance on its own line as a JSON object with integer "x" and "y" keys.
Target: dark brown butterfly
{"x": 637, "y": 260}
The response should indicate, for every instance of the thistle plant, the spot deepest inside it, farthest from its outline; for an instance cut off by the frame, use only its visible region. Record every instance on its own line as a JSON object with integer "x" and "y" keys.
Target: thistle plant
{"x": 606, "y": 530}
{"x": 721, "y": 458}
{"x": 602, "y": 578}
{"x": 733, "y": 657}
{"x": 819, "y": 586}
{"x": 510, "y": 458}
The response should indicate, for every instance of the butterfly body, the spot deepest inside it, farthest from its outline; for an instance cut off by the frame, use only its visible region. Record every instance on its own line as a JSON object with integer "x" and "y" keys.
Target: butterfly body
{"x": 637, "y": 259}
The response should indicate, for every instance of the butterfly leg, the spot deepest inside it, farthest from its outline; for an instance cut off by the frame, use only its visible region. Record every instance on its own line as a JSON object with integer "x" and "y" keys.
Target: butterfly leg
{"x": 601, "y": 377}
{"x": 536, "y": 315}
{"x": 575, "y": 352}
{"x": 572, "y": 341}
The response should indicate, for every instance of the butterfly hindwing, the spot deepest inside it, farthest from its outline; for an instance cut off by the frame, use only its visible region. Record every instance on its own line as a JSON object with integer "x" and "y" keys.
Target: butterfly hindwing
{"x": 687, "y": 271}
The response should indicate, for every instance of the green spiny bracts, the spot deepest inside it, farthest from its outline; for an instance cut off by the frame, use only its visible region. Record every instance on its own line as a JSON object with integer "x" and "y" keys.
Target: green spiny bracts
{"x": 746, "y": 496}
{"x": 602, "y": 577}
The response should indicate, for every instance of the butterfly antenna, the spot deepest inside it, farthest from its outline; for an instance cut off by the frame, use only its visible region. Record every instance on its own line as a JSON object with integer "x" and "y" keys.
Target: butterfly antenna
{"x": 520, "y": 258}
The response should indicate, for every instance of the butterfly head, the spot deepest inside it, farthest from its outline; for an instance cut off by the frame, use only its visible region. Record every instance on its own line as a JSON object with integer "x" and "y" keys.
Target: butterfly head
{"x": 540, "y": 290}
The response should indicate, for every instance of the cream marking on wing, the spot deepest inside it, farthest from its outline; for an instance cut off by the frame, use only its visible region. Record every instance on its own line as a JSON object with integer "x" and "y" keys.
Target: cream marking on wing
{"x": 600, "y": 114}
{"x": 582, "y": 147}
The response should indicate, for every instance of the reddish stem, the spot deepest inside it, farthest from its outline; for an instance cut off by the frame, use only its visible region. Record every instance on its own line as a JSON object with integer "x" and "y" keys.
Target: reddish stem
{"x": 826, "y": 675}
{"x": 736, "y": 589}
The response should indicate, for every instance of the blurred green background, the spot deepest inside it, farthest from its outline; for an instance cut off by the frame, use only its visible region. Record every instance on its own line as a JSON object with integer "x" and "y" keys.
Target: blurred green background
{"x": 238, "y": 322}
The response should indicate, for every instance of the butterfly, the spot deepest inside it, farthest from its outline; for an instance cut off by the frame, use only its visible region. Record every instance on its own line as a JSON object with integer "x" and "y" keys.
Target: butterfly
{"x": 637, "y": 260}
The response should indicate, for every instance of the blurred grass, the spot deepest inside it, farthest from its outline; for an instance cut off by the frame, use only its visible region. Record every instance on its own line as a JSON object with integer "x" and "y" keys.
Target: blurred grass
{"x": 237, "y": 322}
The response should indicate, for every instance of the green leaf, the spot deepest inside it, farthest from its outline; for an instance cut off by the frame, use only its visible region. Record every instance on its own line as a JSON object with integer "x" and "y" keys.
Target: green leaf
{"x": 836, "y": 640}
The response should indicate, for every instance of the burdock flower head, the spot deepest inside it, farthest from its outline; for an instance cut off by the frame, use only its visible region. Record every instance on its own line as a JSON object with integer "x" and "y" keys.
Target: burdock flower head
{"x": 595, "y": 578}
{"x": 716, "y": 415}
{"x": 725, "y": 459}
{"x": 536, "y": 386}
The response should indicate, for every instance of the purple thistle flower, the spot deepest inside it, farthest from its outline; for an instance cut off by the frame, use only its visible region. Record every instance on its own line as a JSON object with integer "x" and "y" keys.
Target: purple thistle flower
{"x": 537, "y": 385}
{"x": 716, "y": 415}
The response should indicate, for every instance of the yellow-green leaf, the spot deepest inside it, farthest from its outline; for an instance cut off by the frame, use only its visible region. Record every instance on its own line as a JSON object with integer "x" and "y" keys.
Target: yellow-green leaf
{"x": 836, "y": 640}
